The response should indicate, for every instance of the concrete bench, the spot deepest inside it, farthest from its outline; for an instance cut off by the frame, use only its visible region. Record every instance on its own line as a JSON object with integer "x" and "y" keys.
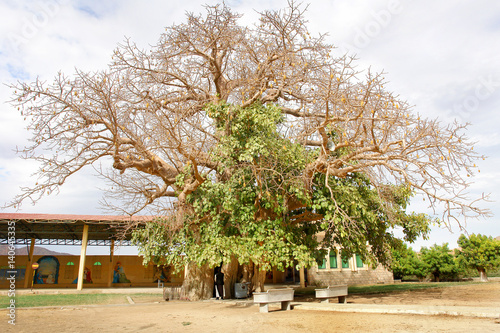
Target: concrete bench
{"x": 285, "y": 296}
{"x": 171, "y": 293}
{"x": 339, "y": 291}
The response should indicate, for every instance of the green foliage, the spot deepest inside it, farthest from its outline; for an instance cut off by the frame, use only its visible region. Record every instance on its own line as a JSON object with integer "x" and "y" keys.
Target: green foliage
{"x": 406, "y": 262}
{"x": 479, "y": 252}
{"x": 440, "y": 262}
{"x": 245, "y": 214}
{"x": 355, "y": 215}
{"x": 246, "y": 208}
{"x": 241, "y": 211}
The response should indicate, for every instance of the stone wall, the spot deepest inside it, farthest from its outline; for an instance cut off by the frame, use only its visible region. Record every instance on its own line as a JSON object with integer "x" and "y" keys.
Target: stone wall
{"x": 336, "y": 269}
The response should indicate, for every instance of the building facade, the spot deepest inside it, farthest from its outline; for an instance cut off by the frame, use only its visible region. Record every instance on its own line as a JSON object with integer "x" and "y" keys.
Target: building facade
{"x": 61, "y": 271}
{"x": 335, "y": 270}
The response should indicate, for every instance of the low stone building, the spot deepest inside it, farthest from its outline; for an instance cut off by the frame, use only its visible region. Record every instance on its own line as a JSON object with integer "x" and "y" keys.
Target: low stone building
{"x": 350, "y": 271}
{"x": 336, "y": 270}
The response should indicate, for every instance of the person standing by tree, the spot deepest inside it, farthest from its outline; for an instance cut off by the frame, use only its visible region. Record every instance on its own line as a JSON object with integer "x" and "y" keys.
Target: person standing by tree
{"x": 219, "y": 283}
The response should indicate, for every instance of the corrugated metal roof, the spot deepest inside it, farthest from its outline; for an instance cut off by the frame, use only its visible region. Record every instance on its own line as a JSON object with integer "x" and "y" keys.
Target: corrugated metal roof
{"x": 72, "y": 217}
{"x": 58, "y": 229}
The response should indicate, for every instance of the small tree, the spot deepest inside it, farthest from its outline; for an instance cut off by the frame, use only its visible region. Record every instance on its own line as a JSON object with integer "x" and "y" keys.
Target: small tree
{"x": 406, "y": 262}
{"x": 420, "y": 269}
{"x": 440, "y": 262}
{"x": 479, "y": 252}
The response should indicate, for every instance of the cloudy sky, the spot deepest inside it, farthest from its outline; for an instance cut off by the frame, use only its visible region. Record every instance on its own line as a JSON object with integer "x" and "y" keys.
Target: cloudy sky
{"x": 443, "y": 57}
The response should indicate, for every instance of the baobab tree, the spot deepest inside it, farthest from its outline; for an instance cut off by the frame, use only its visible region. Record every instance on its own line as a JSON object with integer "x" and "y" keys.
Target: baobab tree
{"x": 249, "y": 139}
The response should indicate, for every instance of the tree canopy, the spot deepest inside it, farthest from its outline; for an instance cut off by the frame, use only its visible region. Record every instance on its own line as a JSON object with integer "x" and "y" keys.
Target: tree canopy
{"x": 479, "y": 252}
{"x": 406, "y": 262}
{"x": 440, "y": 262}
{"x": 254, "y": 133}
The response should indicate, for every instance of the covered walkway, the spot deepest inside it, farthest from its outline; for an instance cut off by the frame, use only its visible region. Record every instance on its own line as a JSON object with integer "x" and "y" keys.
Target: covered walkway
{"x": 55, "y": 229}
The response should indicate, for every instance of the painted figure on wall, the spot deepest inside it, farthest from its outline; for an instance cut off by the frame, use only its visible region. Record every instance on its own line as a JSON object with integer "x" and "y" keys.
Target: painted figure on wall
{"x": 87, "y": 276}
{"x": 50, "y": 279}
{"x": 38, "y": 278}
{"x": 47, "y": 271}
{"x": 119, "y": 274}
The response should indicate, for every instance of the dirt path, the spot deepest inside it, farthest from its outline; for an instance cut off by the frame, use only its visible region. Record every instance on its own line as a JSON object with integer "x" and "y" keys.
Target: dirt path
{"x": 211, "y": 316}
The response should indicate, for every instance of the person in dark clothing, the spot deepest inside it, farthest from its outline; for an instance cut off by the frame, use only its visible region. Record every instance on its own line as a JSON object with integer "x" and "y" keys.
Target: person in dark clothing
{"x": 219, "y": 284}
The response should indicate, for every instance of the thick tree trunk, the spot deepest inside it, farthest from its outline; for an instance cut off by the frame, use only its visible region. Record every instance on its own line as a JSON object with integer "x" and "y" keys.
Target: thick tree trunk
{"x": 198, "y": 282}
{"x": 252, "y": 273}
{"x": 230, "y": 271}
{"x": 482, "y": 275}
{"x": 302, "y": 277}
{"x": 244, "y": 271}
{"x": 258, "y": 279}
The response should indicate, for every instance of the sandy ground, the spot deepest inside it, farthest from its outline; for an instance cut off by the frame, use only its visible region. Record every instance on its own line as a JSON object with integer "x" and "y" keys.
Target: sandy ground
{"x": 481, "y": 295}
{"x": 222, "y": 316}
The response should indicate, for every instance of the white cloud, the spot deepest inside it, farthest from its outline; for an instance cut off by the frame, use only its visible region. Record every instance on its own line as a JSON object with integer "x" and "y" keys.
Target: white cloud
{"x": 437, "y": 55}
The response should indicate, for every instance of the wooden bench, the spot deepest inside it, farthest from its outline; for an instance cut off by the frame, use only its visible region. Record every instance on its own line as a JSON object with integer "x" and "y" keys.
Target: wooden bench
{"x": 285, "y": 296}
{"x": 339, "y": 291}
